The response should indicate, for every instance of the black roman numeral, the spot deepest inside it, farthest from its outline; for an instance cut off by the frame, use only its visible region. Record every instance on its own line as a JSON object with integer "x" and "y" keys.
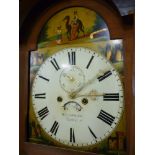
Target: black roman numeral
{"x": 90, "y": 62}
{"x": 55, "y": 64}
{"x": 72, "y": 136}
{"x": 105, "y": 117}
{"x": 44, "y": 78}
{"x": 40, "y": 96}
{"x": 111, "y": 97}
{"x": 43, "y": 113}
{"x": 72, "y": 58}
{"x": 104, "y": 76}
{"x": 54, "y": 128}
{"x": 92, "y": 132}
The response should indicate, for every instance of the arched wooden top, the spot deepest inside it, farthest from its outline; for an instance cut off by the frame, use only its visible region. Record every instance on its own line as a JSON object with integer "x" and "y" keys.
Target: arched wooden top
{"x": 110, "y": 15}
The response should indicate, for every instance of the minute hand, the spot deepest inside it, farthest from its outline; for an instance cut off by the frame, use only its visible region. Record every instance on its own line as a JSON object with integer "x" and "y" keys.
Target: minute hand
{"x": 73, "y": 94}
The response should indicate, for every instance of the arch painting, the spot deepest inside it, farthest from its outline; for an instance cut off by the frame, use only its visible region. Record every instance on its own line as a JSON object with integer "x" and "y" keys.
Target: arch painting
{"x": 73, "y": 25}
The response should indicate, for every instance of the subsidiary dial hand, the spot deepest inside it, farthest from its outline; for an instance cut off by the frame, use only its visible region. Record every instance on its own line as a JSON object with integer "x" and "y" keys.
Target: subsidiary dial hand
{"x": 72, "y": 79}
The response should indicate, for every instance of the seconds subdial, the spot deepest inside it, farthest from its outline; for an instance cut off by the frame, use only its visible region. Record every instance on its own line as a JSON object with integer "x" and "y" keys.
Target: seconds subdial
{"x": 71, "y": 79}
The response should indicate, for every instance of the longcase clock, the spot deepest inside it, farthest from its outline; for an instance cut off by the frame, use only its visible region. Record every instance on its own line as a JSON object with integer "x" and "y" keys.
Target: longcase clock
{"x": 77, "y": 80}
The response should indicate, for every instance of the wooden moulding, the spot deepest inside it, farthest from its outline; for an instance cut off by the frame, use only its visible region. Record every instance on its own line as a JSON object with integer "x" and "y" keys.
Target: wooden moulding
{"x": 28, "y": 41}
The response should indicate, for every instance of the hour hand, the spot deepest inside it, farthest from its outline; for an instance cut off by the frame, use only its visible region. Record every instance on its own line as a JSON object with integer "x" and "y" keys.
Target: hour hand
{"x": 89, "y": 95}
{"x": 92, "y": 94}
{"x": 106, "y": 96}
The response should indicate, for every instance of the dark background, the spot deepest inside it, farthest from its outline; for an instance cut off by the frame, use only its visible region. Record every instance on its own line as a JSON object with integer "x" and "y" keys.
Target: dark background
{"x": 26, "y": 7}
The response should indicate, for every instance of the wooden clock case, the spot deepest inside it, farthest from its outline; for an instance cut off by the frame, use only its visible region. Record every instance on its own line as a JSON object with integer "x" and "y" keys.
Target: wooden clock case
{"x": 119, "y": 27}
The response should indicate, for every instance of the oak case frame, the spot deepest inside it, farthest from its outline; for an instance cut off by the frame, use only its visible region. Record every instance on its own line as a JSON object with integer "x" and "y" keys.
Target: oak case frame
{"x": 118, "y": 27}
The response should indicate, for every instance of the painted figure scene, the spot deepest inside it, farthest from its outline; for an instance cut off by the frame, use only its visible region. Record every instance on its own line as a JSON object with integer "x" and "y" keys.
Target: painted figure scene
{"x": 73, "y": 25}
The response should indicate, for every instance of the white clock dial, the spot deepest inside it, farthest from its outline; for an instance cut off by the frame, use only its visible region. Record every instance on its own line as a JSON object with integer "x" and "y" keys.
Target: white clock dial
{"x": 77, "y": 97}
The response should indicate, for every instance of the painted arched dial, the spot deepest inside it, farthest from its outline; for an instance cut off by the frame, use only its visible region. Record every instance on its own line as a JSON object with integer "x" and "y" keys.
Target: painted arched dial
{"x": 77, "y": 97}
{"x": 72, "y": 25}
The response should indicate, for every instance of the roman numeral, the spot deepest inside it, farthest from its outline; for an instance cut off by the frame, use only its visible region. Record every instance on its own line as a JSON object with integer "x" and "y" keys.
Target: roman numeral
{"x": 72, "y": 58}
{"x": 43, "y": 78}
{"x": 54, "y": 128}
{"x": 90, "y": 62}
{"x": 43, "y": 113}
{"x": 111, "y": 97}
{"x": 55, "y": 64}
{"x": 72, "y": 136}
{"x": 92, "y": 132}
{"x": 104, "y": 76}
{"x": 40, "y": 96}
{"x": 105, "y": 117}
